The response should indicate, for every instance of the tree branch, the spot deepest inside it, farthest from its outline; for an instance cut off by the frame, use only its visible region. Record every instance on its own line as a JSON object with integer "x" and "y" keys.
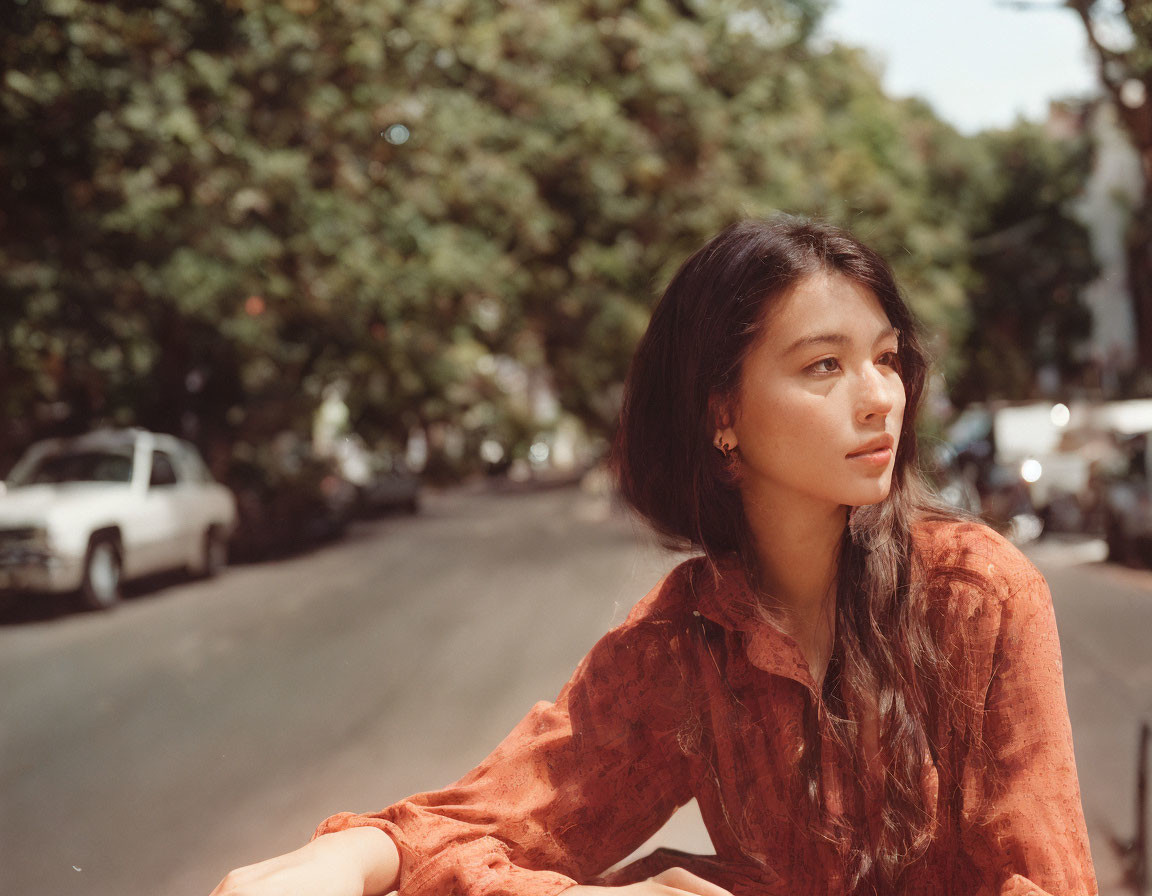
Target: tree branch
{"x": 1104, "y": 56}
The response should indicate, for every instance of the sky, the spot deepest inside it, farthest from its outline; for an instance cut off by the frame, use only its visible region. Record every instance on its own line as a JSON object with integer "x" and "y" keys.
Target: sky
{"x": 980, "y": 63}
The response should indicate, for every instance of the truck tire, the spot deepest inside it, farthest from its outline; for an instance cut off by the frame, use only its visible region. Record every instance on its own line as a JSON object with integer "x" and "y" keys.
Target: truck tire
{"x": 100, "y": 588}
{"x": 214, "y": 553}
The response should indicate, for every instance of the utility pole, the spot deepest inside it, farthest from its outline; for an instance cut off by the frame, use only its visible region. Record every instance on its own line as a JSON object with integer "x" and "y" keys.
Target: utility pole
{"x": 1134, "y": 853}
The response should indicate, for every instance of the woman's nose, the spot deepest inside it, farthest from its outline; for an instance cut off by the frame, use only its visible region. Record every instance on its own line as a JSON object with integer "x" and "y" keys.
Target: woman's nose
{"x": 877, "y": 394}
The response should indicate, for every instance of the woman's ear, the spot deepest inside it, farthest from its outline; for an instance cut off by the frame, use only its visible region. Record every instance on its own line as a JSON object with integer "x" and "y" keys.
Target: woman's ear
{"x": 722, "y": 416}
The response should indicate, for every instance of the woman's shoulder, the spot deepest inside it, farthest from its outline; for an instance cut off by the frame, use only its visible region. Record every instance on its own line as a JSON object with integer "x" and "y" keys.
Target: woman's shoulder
{"x": 968, "y": 546}
{"x": 974, "y": 570}
{"x": 637, "y": 652}
{"x": 671, "y": 598}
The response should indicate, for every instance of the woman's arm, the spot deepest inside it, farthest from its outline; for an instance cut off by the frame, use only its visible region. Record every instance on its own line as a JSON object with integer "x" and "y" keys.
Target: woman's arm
{"x": 1023, "y": 822}
{"x": 365, "y": 862}
{"x": 575, "y": 787}
{"x": 355, "y": 862}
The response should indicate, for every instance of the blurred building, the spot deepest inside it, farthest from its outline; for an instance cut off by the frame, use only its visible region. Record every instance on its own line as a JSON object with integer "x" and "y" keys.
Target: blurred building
{"x": 1112, "y": 189}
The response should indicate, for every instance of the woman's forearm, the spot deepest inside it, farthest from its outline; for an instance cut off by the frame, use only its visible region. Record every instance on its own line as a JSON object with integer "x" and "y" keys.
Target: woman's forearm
{"x": 378, "y": 856}
{"x": 352, "y": 862}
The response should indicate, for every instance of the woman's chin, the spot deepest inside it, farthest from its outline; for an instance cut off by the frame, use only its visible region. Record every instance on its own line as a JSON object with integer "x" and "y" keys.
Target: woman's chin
{"x": 872, "y": 495}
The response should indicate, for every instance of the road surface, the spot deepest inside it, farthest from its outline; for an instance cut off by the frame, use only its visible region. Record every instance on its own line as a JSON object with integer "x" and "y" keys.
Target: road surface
{"x": 206, "y": 725}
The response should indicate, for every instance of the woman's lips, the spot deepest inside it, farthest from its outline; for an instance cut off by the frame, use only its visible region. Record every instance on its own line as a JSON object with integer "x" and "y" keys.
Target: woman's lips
{"x": 876, "y": 458}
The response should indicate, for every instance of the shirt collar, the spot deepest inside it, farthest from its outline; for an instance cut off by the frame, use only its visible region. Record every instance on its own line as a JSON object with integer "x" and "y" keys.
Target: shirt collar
{"x": 725, "y": 597}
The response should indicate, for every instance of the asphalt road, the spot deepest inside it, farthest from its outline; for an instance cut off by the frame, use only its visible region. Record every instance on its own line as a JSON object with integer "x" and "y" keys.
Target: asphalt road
{"x": 205, "y": 725}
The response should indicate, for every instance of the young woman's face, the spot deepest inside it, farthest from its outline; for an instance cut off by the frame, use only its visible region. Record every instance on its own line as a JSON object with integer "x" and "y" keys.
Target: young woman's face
{"x": 821, "y": 400}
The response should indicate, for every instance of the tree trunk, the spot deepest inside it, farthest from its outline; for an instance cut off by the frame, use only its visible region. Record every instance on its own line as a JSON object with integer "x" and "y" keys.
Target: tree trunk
{"x": 1120, "y": 71}
{"x": 1139, "y": 259}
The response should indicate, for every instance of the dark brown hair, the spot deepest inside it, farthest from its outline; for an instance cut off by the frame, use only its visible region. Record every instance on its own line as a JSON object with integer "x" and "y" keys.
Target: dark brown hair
{"x": 700, "y": 333}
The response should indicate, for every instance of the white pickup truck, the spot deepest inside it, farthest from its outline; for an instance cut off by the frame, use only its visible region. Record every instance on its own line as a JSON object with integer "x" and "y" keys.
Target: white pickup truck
{"x": 87, "y": 513}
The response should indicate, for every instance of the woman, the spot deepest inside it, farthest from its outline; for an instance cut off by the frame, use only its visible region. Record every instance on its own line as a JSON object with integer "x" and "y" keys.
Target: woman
{"x": 862, "y": 691}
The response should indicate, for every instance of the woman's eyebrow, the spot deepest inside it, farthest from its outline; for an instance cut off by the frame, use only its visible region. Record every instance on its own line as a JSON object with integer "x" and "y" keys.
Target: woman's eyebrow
{"x": 888, "y": 332}
{"x": 836, "y": 339}
{"x": 818, "y": 339}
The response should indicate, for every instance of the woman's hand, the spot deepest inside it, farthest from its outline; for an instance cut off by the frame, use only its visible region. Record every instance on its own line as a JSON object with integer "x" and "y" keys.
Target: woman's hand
{"x": 353, "y": 862}
{"x": 673, "y": 882}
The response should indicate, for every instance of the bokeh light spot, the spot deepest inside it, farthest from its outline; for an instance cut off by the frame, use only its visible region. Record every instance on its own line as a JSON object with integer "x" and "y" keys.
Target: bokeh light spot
{"x": 397, "y": 134}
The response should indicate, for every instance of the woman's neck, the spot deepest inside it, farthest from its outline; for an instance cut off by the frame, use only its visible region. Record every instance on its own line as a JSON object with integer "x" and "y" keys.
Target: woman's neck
{"x": 797, "y": 551}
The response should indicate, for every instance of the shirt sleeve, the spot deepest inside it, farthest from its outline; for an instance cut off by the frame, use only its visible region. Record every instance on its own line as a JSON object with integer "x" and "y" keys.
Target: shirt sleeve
{"x": 1023, "y": 822}
{"x": 576, "y": 786}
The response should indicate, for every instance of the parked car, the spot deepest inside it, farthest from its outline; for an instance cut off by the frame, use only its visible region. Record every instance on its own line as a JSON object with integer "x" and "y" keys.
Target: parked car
{"x": 954, "y": 482}
{"x": 391, "y": 488}
{"x": 383, "y": 482}
{"x": 1126, "y": 502}
{"x": 998, "y": 478}
{"x": 86, "y": 514}
{"x": 288, "y": 499}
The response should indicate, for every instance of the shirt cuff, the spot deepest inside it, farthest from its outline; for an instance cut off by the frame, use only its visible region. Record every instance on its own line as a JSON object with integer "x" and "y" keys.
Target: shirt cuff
{"x": 478, "y": 867}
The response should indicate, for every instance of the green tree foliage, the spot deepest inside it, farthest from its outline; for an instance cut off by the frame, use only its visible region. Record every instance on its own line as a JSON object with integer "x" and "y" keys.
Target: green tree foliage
{"x": 1031, "y": 259}
{"x": 212, "y": 209}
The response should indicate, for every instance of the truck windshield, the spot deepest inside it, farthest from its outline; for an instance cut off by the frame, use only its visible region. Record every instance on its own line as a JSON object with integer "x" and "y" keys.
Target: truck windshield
{"x": 80, "y": 466}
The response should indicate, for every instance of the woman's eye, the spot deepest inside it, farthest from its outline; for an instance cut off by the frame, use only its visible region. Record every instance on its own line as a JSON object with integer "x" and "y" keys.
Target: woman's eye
{"x": 824, "y": 365}
{"x": 890, "y": 359}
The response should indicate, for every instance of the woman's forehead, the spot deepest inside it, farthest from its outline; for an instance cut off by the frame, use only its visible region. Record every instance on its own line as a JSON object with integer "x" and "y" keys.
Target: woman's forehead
{"x": 824, "y": 303}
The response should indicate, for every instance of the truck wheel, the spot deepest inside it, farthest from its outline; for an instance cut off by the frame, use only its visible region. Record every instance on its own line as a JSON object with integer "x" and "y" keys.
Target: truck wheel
{"x": 100, "y": 589}
{"x": 215, "y": 553}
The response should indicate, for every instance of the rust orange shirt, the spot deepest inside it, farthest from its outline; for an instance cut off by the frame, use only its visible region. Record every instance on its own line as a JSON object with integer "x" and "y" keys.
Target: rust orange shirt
{"x": 695, "y": 695}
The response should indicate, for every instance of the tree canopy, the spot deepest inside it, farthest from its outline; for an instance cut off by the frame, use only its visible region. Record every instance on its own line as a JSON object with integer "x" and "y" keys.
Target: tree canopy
{"x": 211, "y": 210}
{"x": 1030, "y": 260}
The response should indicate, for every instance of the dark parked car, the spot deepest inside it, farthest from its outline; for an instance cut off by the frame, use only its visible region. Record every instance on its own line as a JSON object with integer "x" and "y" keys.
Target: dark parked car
{"x": 390, "y": 487}
{"x": 287, "y": 503}
{"x": 1004, "y": 500}
{"x": 1126, "y": 503}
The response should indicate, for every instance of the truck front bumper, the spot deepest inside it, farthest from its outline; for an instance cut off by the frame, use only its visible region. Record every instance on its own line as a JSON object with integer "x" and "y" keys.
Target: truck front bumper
{"x": 40, "y": 572}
